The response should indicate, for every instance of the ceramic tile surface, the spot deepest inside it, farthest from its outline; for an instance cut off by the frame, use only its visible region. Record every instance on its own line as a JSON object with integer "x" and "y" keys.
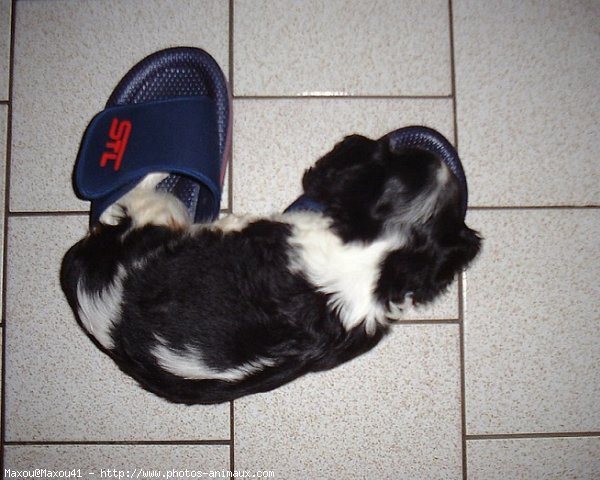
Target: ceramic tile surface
{"x": 524, "y": 459}
{"x": 531, "y": 323}
{"x": 497, "y": 379}
{"x": 277, "y": 139}
{"x": 129, "y": 461}
{"x": 5, "y": 15}
{"x": 83, "y": 395}
{"x": 363, "y": 419}
{"x": 69, "y": 57}
{"x": 529, "y": 100}
{"x": 338, "y": 47}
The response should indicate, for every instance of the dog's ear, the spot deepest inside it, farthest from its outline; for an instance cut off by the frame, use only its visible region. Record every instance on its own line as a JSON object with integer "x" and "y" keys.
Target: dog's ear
{"x": 347, "y": 182}
{"x": 330, "y": 174}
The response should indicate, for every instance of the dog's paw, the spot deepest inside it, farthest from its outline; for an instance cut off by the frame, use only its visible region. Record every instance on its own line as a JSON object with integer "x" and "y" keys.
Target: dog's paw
{"x": 147, "y": 206}
{"x": 395, "y": 311}
{"x": 232, "y": 223}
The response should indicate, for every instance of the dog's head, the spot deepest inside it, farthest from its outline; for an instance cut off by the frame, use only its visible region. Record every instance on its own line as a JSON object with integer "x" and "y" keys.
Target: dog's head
{"x": 370, "y": 190}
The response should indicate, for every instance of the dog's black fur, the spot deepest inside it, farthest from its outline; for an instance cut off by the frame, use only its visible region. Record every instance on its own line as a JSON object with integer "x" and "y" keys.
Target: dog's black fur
{"x": 231, "y": 296}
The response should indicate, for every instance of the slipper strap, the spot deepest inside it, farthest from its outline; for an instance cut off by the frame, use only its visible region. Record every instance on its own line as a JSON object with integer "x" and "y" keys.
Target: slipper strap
{"x": 124, "y": 143}
{"x": 306, "y": 204}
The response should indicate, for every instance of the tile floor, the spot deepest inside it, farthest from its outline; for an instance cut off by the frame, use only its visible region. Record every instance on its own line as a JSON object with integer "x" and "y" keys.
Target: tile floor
{"x": 498, "y": 379}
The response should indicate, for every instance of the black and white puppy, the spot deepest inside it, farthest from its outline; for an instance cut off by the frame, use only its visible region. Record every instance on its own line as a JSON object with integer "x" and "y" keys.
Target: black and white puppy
{"x": 208, "y": 313}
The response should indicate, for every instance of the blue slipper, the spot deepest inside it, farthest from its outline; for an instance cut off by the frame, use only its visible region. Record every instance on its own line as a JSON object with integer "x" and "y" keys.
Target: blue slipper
{"x": 416, "y": 136}
{"x": 170, "y": 113}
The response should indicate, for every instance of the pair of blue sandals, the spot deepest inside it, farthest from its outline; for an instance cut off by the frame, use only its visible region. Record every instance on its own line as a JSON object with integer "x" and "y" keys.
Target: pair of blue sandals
{"x": 172, "y": 113}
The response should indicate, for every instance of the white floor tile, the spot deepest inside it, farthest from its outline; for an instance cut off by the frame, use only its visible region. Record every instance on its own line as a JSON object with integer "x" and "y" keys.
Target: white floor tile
{"x": 526, "y": 459}
{"x": 531, "y": 323}
{"x": 275, "y": 140}
{"x": 528, "y": 100}
{"x": 341, "y": 47}
{"x": 59, "y": 386}
{"x": 5, "y": 21}
{"x": 393, "y": 413}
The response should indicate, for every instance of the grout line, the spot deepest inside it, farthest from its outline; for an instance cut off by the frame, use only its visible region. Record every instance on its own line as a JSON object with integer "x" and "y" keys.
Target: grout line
{"x": 452, "y": 73}
{"x": 64, "y": 213}
{"x": 342, "y": 97}
{"x": 7, "y": 169}
{"x": 231, "y": 47}
{"x": 516, "y": 436}
{"x": 122, "y": 442}
{"x": 536, "y": 207}
{"x": 442, "y": 321}
{"x": 463, "y": 390}
{"x": 461, "y": 310}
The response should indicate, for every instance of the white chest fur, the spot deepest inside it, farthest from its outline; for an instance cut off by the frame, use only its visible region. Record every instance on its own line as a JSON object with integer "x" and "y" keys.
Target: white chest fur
{"x": 348, "y": 272}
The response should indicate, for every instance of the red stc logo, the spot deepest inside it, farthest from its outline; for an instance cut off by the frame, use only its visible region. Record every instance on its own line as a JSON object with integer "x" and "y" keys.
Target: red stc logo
{"x": 118, "y": 137}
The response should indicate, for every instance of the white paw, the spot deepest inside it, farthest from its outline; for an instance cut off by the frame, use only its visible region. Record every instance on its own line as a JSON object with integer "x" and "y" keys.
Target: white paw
{"x": 396, "y": 310}
{"x": 147, "y": 206}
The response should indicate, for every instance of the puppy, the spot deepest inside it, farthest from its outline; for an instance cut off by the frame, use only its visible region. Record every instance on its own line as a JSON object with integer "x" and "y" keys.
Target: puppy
{"x": 208, "y": 313}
